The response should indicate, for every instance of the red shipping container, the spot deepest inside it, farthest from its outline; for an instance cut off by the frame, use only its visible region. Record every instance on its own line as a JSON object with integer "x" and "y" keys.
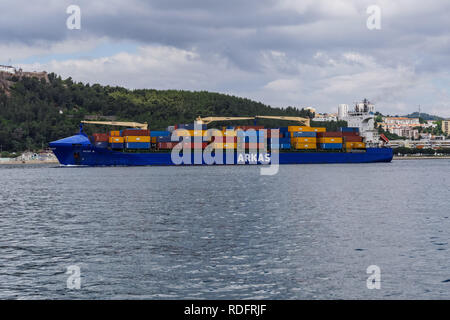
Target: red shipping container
{"x": 350, "y": 134}
{"x": 225, "y": 139}
{"x": 251, "y": 127}
{"x": 195, "y": 145}
{"x": 274, "y": 134}
{"x": 166, "y": 145}
{"x": 331, "y": 134}
{"x": 353, "y": 139}
{"x": 253, "y": 145}
{"x": 100, "y": 137}
{"x": 135, "y": 132}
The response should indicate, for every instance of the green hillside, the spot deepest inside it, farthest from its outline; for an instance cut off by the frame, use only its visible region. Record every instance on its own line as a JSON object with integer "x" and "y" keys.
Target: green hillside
{"x": 34, "y": 112}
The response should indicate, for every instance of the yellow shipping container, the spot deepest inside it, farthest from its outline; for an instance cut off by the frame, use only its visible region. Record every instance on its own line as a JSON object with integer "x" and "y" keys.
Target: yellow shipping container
{"x": 304, "y": 140}
{"x": 355, "y": 145}
{"x": 114, "y": 133}
{"x": 137, "y": 139}
{"x": 197, "y": 133}
{"x": 305, "y": 129}
{"x": 330, "y": 140}
{"x": 115, "y": 139}
{"x": 192, "y": 133}
{"x": 219, "y": 145}
{"x": 299, "y": 146}
{"x": 229, "y": 133}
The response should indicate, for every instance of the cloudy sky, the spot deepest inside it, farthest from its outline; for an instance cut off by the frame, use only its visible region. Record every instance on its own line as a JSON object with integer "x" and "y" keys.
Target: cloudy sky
{"x": 281, "y": 52}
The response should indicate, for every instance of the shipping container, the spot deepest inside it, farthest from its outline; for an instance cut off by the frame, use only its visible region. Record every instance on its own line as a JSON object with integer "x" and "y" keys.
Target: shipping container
{"x": 116, "y": 140}
{"x": 100, "y": 137}
{"x": 353, "y": 139}
{"x": 224, "y": 145}
{"x": 229, "y": 133}
{"x": 252, "y": 133}
{"x": 160, "y": 133}
{"x": 350, "y": 129}
{"x": 331, "y": 134}
{"x": 306, "y": 129}
{"x": 137, "y": 145}
{"x": 194, "y": 145}
{"x": 145, "y": 139}
{"x": 166, "y": 145}
{"x": 115, "y": 133}
{"x": 251, "y": 145}
{"x": 304, "y": 134}
{"x": 279, "y": 140}
{"x": 135, "y": 132}
{"x": 300, "y": 146}
{"x": 331, "y": 146}
{"x": 191, "y": 126}
{"x": 304, "y": 140}
{"x": 170, "y": 139}
{"x": 225, "y": 139}
{"x": 116, "y": 145}
{"x": 251, "y": 127}
{"x": 281, "y": 146}
{"x": 355, "y": 145}
{"x": 101, "y": 144}
{"x": 350, "y": 134}
{"x": 330, "y": 140}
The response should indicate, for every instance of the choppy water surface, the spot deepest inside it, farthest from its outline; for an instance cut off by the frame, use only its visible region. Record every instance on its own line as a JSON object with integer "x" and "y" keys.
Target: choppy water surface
{"x": 226, "y": 232}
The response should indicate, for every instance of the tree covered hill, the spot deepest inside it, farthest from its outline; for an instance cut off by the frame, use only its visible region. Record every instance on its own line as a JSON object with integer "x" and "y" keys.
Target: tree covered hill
{"x": 34, "y": 111}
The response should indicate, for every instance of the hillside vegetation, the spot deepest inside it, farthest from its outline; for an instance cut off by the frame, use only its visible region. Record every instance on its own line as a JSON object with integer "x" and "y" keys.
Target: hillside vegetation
{"x": 35, "y": 111}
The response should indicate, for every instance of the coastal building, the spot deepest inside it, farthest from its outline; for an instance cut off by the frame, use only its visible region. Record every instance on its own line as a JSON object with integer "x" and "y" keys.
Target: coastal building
{"x": 7, "y": 69}
{"x": 403, "y": 126}
{"x": 325, "y": 117}
{"x": 446, "y": 127}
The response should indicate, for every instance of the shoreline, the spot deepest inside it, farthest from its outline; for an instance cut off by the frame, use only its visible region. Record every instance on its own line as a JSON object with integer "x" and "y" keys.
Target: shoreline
{"x": 14, "y": 162}
{"x": 420, "y": 157}
{"x": 29, "y": 162}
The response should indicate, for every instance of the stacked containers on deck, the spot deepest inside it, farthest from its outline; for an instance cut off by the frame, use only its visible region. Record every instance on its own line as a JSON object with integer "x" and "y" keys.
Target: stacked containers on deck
{"x": 303, "y": 137}
{"x": 253, "y": 137}
{"x": 136, "y": 138}
{"x": 157, "y": 136}
{"x": 352, "y": 139}
{"x": 330, "y": 140}
{"x": 100, "y": 140}
{"x": 115, "y": 140}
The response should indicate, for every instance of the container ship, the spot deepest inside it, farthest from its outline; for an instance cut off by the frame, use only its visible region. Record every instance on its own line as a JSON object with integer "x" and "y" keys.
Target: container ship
{"x": 194, "y": 144}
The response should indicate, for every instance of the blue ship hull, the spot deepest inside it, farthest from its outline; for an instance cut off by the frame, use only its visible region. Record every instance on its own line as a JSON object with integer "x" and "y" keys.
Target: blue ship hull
{"x": 78, "y": 150}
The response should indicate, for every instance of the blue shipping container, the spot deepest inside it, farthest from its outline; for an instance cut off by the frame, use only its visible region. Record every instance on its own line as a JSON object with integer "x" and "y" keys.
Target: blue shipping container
{"x": 137, "y": 145}
{"x": 331, "y": 145}
{"x": 117, "y": 145}
{"x": 101, "y": 144}
{"x": 349, "y": 129}
{"x": 280, "y": 140}
{"x": 160, "y": 133}
{"x": 168, "y": 139}
{"x": 280, "y": 146}
{"x": 305, "y": 134}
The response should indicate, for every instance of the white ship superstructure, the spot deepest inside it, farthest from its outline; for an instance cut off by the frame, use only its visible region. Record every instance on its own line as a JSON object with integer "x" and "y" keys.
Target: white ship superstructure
{"x": 362, "y": 117}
